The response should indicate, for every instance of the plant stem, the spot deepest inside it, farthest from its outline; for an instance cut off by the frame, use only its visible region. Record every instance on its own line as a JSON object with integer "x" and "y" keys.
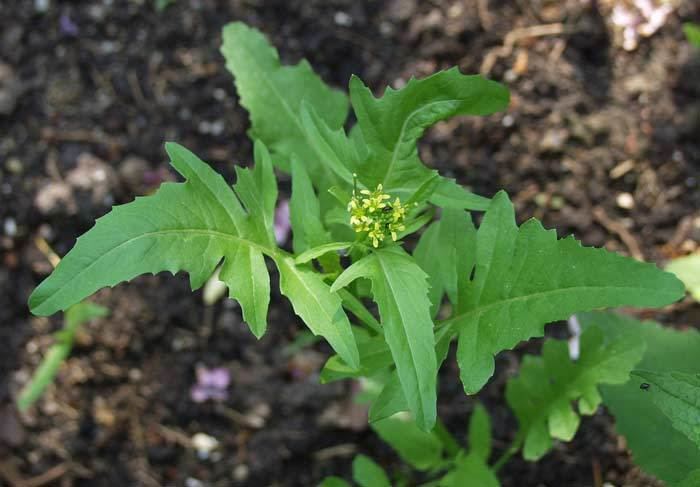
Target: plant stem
{"x": 508, "y": 454}
{"x": 448, "y": 441}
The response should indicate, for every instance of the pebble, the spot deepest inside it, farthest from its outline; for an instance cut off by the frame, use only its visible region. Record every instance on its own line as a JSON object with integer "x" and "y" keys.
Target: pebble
{"x": 193, "y": 482}
{"x": 10, "y": 227}
{"x": 41, "y": 5}
{"x": 204, "y": 445}
{"x": 343, "y": 19}
{"x": 241, "y": 472}
{"x": 14, "y": 166}
{"x": 625, "y": 200}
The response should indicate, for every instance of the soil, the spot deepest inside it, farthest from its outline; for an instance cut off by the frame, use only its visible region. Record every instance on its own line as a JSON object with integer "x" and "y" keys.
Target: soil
{"x": 598, "y": 142}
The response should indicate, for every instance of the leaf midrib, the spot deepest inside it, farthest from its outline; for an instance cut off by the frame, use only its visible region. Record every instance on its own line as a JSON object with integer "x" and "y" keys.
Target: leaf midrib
{"x": 274, "y": 254}
{"x": 395, "y": 152}
{"x": 414, "y": 369}
{"x": 538, "y": 295}
{"x": 287, "y": 108}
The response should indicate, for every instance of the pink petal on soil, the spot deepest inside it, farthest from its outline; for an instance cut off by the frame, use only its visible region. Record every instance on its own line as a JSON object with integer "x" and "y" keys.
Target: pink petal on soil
{"x": 211, "y": 384}
{"x": 282, "y": 223}
{"x": 217, "y": 378}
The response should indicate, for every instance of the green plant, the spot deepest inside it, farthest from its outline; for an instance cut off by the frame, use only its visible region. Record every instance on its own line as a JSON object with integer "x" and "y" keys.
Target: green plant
{"x": 639, "y": 370}
{"x": 75, "y": 316}
{"x": 692, "y": 32}
{"x": 355, "y": 198}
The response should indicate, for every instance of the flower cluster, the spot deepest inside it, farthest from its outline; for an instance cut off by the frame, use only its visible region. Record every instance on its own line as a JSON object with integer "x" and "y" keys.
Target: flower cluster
{"x": 371, "y": 212}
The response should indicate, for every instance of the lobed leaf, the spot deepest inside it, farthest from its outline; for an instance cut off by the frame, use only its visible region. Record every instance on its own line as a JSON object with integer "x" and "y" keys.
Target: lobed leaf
{"x": 677, "y": 395}
{"x": 391, "y": 125}
{"x": 452, "y": 238}
{"x": 399, "y": 287}
{"x": 321, "y": 310}
{"x": 524, "y": 278}
{"x": 637, "y": 418}
{"x": 542, "y": 394}
{"x": 273, "y": 95}
{"x": 188, "y": 226}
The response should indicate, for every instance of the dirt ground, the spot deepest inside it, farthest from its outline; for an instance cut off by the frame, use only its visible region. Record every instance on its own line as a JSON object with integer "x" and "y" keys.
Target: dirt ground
{"x": 598, "y": 142}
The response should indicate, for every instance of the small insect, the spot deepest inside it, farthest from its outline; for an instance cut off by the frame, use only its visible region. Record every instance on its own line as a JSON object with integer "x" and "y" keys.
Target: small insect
{"x": 644, "y": 386}
{"x": 387, "y": 209}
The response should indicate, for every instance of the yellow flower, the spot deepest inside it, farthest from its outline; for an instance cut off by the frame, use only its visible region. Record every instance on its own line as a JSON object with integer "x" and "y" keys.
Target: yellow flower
{"x": 371, "y": 212}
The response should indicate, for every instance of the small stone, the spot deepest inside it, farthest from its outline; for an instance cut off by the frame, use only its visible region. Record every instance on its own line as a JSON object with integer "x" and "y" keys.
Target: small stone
{"x": 10, "y": 227}
{"x": 553, "y": 140}
{"x": 204, "y": 445}
{"x": 95, "y": 175}
{"x": 14, "y": 166}
{"x": 55, "y": 195}
{"x": 625, "y": 200}
{"x": 41, "y": 6}
{"x": 241, "y": 472}
{"x": 343, "y": 19}
{"x": 193, "y": 482}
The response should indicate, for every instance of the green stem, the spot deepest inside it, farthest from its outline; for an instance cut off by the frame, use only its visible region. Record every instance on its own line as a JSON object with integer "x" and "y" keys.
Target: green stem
{"x": 446, "y": 438}
{"x": 508, "y": 454}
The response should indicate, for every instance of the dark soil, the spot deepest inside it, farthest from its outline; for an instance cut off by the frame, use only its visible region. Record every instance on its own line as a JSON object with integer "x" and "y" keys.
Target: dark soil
{"x": 93, "y": 89}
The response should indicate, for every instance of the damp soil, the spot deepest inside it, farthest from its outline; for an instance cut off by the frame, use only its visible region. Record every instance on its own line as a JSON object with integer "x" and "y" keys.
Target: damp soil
{"x": 598, "y": 142}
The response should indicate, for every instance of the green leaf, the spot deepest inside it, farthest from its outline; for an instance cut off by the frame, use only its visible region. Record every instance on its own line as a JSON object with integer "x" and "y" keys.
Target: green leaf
{"x": 400, "y": 288}
{"x": 273, "y": 95}
{"x": 334, "y": 482}
{"x": 367, "y": 473}
{"x": 693, "y": 478}
{"x": 470, "y": 470}
{"x": 542, "y": 394}
{"x": 317, "y": 252}
{"x": 418, "y": 448}
{"x": 321, "y": 310}
{"x": 374, "y": 357}
{"x": 187, "y": 226}
{"x": 637, "y": 418}
{"x": 687, "y": 269}
{"x": 692, "y": 32}
{"x": 677, "y": 395}
{"x": 391, "y": 125}
{"x": 390, "y": 401}
{"x": 245, "y": 274}
{"x": 480, "y": 433}
{"x": 449, "y": 194}
{"x": 257, "y": 189}
{"x": 75, "y": 316}
{"x": 305, "y": 211}
{"x": 453, "y": 239}
{"x": 524, "y": 278}
{"x": 332, "y": 146}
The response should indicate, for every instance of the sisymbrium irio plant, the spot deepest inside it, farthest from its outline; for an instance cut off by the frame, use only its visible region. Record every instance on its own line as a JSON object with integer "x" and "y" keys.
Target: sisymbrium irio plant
{"x": 357, "y": 195}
